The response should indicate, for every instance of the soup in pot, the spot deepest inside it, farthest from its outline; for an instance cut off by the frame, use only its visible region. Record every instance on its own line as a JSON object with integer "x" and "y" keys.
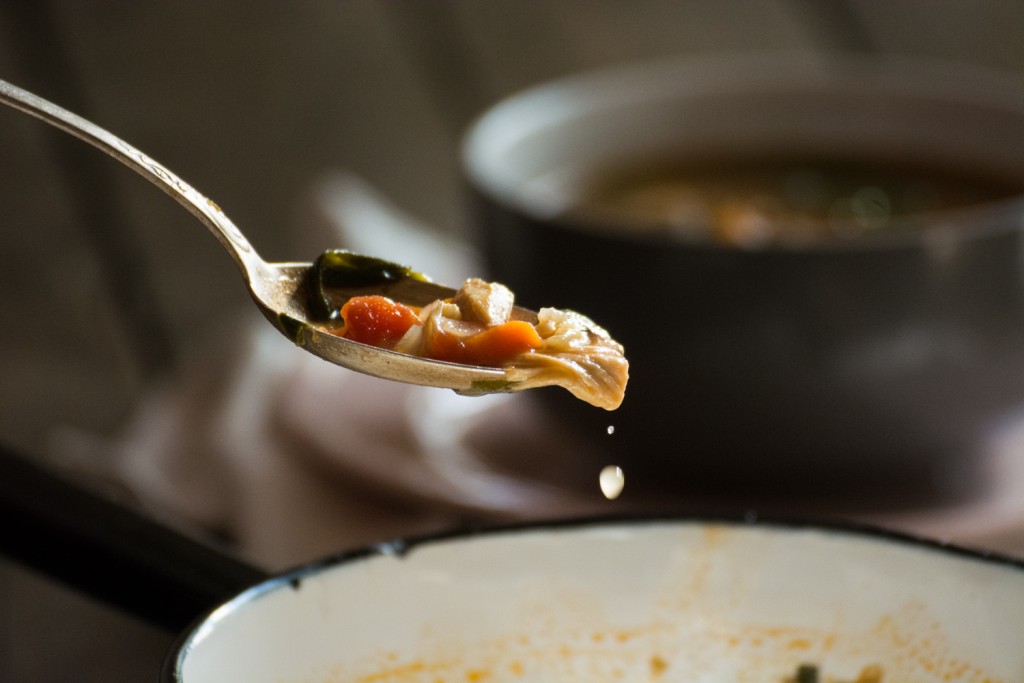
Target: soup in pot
{"x": 771, "y": 200}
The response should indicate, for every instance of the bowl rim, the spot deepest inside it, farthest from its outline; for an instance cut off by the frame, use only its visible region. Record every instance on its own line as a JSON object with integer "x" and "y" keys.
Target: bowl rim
{"x": 402, "y": 546}
{"x": 548, "y": 102}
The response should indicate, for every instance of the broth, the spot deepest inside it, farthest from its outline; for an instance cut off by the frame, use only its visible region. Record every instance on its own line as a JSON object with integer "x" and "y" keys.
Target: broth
{"x": 761, "y": 201}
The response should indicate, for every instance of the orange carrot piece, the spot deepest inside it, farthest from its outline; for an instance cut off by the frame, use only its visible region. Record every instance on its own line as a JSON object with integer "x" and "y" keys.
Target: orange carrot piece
{"x": 492, "y": 347}
{"x": 501, "y": 343}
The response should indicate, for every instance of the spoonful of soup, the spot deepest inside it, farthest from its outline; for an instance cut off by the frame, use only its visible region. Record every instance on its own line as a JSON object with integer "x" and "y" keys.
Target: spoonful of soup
{"x": 383, "y": 319}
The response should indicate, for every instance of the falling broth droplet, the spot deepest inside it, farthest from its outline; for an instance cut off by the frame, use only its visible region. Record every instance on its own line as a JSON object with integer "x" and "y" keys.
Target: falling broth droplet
{"x": 611, "y": 429}
{"x": 612, "y": 481}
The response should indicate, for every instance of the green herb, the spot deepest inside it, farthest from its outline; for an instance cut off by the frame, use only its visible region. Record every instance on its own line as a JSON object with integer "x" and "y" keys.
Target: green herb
{"x": 806, "y": 673}
{"x": 489, "y": 386}
{"x": 337, "y": 271}
{"x": 291, "y": 327}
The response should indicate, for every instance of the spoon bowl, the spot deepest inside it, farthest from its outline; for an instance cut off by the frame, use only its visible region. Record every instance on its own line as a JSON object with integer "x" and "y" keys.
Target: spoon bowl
{"x": 281, "y": 290}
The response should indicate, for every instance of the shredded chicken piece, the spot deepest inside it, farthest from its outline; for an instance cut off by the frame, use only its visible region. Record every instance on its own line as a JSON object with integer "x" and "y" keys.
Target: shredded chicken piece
{"x": 486, "y": 302}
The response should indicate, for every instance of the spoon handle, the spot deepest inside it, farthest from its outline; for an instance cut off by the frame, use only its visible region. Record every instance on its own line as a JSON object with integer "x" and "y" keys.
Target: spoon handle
{"x": 195, "y": 202}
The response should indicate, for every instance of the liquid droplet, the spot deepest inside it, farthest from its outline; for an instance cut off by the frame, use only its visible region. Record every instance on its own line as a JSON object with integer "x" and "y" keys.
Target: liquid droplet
{"x": 611, "y": 429}
{"x": 612, "y": 481}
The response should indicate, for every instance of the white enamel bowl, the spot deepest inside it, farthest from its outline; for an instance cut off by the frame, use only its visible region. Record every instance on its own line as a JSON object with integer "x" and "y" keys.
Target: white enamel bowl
{"x": 649, "y": 600}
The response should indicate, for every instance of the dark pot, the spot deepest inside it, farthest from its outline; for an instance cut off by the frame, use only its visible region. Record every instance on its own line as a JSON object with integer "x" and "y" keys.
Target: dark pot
{"x": 826, "y": 366}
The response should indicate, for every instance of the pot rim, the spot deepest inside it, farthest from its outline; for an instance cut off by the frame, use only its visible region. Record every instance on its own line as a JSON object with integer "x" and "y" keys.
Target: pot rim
{"x": 643, "y": 83}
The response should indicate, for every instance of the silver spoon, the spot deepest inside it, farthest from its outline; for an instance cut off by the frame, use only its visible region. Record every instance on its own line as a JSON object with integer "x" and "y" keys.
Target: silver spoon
{"x": 281, "y": 289}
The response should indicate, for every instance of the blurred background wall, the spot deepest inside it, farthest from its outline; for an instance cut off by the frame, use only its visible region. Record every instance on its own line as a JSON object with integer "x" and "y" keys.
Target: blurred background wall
{"x": 106, "y": 285}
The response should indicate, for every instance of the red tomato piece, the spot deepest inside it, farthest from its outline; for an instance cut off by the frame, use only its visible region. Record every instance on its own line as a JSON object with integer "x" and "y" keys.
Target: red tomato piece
{"x": 377, "y": 320}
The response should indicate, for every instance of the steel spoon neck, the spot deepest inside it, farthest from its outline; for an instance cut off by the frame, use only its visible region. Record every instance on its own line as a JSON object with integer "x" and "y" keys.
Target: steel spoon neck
{"x": 200, "y": 206}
